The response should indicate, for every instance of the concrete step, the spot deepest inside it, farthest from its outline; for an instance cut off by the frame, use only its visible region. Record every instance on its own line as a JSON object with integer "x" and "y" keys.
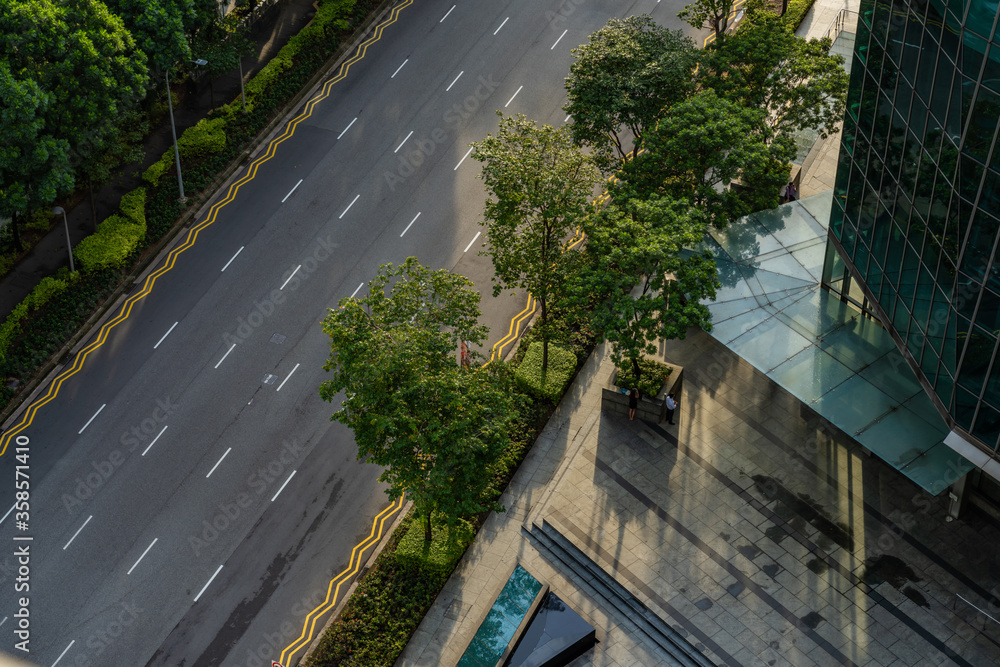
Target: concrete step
{"x": 683, "y": 653}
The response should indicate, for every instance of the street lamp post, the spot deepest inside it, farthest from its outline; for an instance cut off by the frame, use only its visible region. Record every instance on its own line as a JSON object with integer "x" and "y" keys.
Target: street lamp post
{"x": 57, "y": 210}
{"x": 243, "y": 94}
{"x": 173, "y": 130}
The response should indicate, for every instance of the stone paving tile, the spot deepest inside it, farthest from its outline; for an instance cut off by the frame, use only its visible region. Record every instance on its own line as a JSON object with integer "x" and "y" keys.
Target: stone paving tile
{"x": 701, "y": 538}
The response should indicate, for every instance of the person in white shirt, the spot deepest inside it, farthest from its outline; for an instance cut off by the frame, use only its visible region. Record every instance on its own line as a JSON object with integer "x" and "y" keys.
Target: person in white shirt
{"x": 670, "y": 404}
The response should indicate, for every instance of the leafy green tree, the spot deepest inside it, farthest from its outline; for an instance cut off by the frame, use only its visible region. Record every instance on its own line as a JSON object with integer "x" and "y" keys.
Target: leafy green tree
{"x": 34, "y": 165}
{"x": 540, "y": 184}
{"x": 158, "y": 27}
{"x": 85, "y": 64}
{"x": 764, "y": 65}
{"x": 645, "y": 241}
{"x": 439, "y": 430}
{"x": 708, "y": 15}
{"x": 699, "y": 148}
{"x": 621, "y": 80}
{"x": 222, "y": 43}
{"x": 100, "y": 163}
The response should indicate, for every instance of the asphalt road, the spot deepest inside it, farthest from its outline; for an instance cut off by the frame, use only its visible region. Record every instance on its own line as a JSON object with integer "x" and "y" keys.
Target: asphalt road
{"x": 190, "y": 499}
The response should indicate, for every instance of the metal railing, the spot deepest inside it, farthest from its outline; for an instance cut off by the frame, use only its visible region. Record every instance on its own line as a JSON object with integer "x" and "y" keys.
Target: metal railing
{"x": 258, "y": 13}
{"x": 840, "y": 22}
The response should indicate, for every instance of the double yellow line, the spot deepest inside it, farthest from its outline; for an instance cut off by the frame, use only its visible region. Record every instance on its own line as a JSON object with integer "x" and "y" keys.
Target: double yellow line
{"x": 53, "y": 391}
{"x": 333, "y": 590}
{"x": 732, "y": 14}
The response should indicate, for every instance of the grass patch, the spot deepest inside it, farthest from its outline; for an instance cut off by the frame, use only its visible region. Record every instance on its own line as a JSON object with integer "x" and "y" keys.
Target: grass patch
{"x": 447, "y": 544}
{"x": 548, "y": 385}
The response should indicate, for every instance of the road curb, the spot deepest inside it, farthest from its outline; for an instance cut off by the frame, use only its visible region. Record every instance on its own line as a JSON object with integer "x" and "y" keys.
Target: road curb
{"x": 152, "y": 255}
{"x": 402, "y": 514}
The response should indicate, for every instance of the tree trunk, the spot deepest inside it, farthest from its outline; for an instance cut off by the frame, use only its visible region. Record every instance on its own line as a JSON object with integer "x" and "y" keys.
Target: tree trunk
{"x": 16, "y": 235}
{"x": 545, "y": 340}
{"x": 720, "y": 27}
{"x": 427, "y": 526}
{"x": 93, "y": 205}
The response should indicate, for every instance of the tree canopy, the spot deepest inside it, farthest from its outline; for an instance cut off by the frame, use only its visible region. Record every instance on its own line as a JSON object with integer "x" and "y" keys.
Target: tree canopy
{"x": 708, "y": 15}
{"x": 698, "y": 148}
{"x": 34, "y": 164}
{"x": 70, "y": 70}
{"x": 764, "y": 65}
{"x": 622, "y": 80}
{"x": 160, "y": 28}
{"x": 540, "y": 185}
{"x": 438, "y": 429}
{"x": 645, "y": 241}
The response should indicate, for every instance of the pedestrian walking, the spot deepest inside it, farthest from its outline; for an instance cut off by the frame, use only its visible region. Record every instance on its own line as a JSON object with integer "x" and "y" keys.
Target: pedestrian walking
{"x": 670, "y": 404}
{"x": 791, "y": 192}
{"x": 633, "y": 402}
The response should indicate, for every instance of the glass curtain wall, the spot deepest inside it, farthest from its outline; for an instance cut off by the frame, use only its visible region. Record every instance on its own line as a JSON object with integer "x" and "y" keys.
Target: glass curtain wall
{"x": 917, "y": 196}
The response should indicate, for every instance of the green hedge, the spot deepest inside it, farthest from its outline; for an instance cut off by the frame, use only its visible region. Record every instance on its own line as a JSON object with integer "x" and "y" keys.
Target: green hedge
{"x": 652, "y": 375}
{"x": 44, "y": 292}
{"x": 550, "y": 385}
{"x": 795, "y": 12}
{"x": 133, "y": 206}
{"x": 448, "y": 543}
{"x": 157, "y": 169}
{"x": 53, "y": 324}
{"x": 115, "y": 241}
{"x": 331, "y": 15}
{"x": 44, "y": 332}
{"x": 382, "y": 614}
{"x": 207, "y": 137}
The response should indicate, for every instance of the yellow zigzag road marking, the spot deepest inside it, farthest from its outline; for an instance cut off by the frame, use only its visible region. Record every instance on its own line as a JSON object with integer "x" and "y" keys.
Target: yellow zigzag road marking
{"x": 192, "y": 236}
{"x": 309, "y": 627}
{"x": 515, "y": 329}
{"x": 732, "y": 14}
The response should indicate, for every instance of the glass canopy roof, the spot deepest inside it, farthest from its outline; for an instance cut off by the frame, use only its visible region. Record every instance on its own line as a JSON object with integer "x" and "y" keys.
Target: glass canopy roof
{"x": 772, "y": 312}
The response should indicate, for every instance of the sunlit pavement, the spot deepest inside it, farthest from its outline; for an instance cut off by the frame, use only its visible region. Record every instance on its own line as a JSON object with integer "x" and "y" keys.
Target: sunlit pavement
{"x": 753, "y": 528}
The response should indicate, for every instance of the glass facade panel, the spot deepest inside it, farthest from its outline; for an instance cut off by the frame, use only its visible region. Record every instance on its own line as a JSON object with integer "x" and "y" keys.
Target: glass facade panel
{"x": 919, "y": 215}
{"x": 987, "y": 426}
{"x": 983, "y": 125}
{"x": 981, "y": 16}
{"x": 991, "y": 68}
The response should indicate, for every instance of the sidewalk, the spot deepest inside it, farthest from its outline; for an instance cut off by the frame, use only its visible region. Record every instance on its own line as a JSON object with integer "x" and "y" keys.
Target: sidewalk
{"x": 753, "y": 528}
{"x": 50, "y": 253}
{"x": 819, "y": 169}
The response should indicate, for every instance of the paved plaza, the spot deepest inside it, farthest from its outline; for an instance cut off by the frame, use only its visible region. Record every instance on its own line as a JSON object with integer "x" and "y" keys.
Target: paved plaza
{"x": 754, "y": 532}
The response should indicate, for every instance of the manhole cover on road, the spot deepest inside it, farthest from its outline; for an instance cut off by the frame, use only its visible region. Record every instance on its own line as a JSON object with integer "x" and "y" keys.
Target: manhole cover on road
{"x": 277, "y": 338}
{"x": 269, "y": 379}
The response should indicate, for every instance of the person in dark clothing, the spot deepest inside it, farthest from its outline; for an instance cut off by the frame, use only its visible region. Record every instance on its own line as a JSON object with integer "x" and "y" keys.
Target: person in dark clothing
{"x": 670, "y": 404}
{"x": 791, "y": 192}
{"x": 633, "y": 402}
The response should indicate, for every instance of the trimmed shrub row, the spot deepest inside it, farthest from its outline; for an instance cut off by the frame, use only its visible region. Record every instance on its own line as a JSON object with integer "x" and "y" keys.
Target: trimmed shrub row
{"x": 208, "y": 148}
{"x": 548, "y": 385}
{"x": 42, "y": 294}
{"x": 653, "y": 375}
{"x": 796, "y": 11}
